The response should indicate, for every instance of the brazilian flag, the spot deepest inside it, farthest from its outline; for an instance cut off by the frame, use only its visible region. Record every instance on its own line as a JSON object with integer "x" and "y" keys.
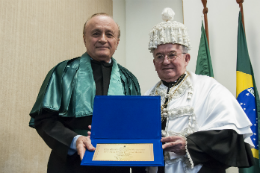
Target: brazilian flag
{"x": 204, "y": 66}
{"x": 246, "y": 93}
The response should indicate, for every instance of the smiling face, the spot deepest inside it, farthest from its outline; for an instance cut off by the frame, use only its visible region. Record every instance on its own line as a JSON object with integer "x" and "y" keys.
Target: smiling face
{"x": 170, "y": 70}
{"x": 101, "y": 37}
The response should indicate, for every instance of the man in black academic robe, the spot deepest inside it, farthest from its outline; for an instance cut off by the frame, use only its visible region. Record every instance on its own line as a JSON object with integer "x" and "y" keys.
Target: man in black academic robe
{"x": 64, "y": 106}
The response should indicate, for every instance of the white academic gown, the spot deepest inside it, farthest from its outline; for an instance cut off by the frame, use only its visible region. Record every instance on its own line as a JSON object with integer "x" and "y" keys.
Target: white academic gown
{"x": 200, "y": 103}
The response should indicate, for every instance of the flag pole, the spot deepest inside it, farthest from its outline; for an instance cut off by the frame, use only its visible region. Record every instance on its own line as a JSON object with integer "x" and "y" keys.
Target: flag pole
{"x": 240, "y": 2}
{"x": 205, "y": 11}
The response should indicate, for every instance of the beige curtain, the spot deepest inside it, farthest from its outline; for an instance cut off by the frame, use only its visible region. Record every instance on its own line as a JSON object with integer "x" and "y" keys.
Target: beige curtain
{"x": 34, "y": 36}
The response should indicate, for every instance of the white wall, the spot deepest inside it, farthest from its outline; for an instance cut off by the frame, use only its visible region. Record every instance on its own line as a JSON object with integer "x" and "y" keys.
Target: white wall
{"x": 138, "y": 19}
{"x": 141, "y": 16}
{"x": 223, "y": 25}
{"x": 119, "y": 16}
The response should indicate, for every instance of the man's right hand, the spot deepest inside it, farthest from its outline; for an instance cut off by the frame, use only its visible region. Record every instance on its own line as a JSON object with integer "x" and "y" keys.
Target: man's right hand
{"x": 83, "y": 143}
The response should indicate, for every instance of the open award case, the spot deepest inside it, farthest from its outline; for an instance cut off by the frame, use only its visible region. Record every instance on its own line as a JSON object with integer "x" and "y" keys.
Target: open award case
{"x": 126, "y": 131}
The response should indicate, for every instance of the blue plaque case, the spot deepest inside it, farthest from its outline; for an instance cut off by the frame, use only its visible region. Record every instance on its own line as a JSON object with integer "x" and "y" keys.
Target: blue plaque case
{"x": 126, "y": 120}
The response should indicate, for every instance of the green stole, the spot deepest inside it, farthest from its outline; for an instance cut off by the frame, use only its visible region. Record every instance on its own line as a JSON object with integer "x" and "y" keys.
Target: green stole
{"x": 69, "y": 88}
{"x": 85, "y": 89}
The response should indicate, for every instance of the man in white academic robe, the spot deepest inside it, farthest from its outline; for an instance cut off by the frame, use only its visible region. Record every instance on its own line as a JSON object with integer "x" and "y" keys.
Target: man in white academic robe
{"x": 204, "y": 128}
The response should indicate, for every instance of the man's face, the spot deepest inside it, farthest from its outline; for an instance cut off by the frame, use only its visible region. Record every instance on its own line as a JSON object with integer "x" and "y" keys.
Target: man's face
{"x": 101, "y": 37}
{"x": 170, "y": 70}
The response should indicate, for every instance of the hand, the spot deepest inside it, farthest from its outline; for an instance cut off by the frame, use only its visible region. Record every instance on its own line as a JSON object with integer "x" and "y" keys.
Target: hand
{"x": 174, "y": 144}
{"x": 83, "y": 143}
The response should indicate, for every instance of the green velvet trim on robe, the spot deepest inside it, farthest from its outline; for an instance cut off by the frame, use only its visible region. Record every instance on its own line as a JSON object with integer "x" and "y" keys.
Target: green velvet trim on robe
{"x": 69, "y": 88}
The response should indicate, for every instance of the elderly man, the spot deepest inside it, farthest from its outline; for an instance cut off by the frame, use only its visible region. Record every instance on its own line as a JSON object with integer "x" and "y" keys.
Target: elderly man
{"x": 64, "y": 106}
{"x": 204, "y": 129}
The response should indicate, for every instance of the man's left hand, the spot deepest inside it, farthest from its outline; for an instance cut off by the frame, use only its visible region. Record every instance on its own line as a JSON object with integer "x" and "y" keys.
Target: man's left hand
{"x": 174, "y": 144}
{"x": 83, "y": 143}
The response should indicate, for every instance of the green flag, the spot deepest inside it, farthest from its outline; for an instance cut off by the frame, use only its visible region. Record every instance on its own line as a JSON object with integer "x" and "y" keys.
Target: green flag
{"x": 246, "y": 93}
{"x": 204, "y": 66}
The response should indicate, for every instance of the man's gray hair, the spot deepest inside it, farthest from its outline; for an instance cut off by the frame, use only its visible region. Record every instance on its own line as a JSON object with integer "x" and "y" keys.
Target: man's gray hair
{"x": 185, "y": 49}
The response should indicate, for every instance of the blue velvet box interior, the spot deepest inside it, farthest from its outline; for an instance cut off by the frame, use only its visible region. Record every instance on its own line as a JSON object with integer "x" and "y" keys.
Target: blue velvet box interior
{"x": 126, "y": 120}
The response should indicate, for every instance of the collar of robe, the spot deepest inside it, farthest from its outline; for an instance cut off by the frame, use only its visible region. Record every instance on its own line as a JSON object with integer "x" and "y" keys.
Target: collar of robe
{"x": 105, "y": 64}
{"x": 171, "y": 84}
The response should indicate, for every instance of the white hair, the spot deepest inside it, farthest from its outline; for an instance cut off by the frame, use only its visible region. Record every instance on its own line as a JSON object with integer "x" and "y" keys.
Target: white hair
{"x": 185, "y": 49}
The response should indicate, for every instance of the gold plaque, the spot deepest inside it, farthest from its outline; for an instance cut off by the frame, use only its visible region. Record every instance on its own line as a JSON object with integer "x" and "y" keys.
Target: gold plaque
{"x": 124, "y": 152}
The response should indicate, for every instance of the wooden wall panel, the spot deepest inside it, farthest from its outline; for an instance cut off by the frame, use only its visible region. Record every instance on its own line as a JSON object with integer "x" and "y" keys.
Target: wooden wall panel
{"x": 34, "y": 36}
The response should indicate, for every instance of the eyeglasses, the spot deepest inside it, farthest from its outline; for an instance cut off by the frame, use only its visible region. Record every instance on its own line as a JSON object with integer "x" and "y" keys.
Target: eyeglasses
{"x": 170, "y": 56}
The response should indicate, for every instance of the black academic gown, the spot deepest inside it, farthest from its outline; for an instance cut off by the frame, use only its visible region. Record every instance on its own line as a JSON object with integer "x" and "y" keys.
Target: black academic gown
{"x": 58, "y": 132}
